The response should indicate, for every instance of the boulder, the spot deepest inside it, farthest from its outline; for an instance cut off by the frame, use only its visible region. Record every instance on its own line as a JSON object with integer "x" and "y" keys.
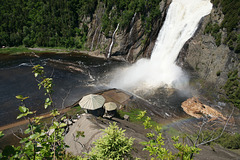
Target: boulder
{"x": 92, "y": 131}
{"x": 197, "y": 109}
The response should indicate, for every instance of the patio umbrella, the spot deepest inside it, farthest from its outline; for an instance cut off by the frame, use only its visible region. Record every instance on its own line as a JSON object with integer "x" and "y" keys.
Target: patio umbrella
{"x": 92, "y": 101}
{"x": 110, "y": 106}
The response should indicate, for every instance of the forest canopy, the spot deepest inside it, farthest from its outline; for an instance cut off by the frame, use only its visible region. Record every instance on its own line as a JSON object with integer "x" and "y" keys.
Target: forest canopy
{"x": 231, "y": 11}
{"x": 63, "y": 23}
{"x": 48, "y": 23}
{"x": 44, "y": 22}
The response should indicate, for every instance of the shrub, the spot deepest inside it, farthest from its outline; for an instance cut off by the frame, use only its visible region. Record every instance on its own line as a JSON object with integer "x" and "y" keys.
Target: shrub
{"x": 231, "y": 141}
{"x": 218, "y": 38}
{"x": 227, "y": 140}
{"x": 218, "y": 73}
{"x": 232, "y": 88}
{"x": 39, "y": 143}
{"x": 155, "y": 145}
{"x": 237, "y": 48}
{"x": 231, "y": 11}
{"x": 113, "y": 145}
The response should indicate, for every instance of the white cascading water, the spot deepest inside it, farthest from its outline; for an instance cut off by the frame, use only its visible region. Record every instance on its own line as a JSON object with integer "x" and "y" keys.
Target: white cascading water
{"x": 111, "y": 45}
{"x": 181, "y": 23}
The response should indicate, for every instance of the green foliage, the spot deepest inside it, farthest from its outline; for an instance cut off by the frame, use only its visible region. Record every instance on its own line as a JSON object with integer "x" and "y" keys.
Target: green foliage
{"x": 44, "y": 82}
{"x": 237, "y": 48}
{"x": 231, "y": 11}
{"x": 230, "y": 44}
{"x": 40, "y": 142}
{"x": 113, "y": 145}
{"x": 43, "y": 23}
{"x": 122, "y": 12}
{"x": 133, "y": 114}
{"x": 214, "y": 30}
{"x": 64, "y": 23}
{"x": 1, "y": 134}
{"x": 141, "y": 114}
{"x": 138, "y": 116}
{"x": 55, "y": 113}
{"x": 75, "y": 110}
{"x": 218, "y": 38}
{"x": 70, "y": 156}
{"x": 16, "y": 50}
{"x": 155, "y": 145}
{"x": 25, "y": 111}
{"x": 218, "y": 73}
{"x": 80, "y": 134}
{"x": 232, "y": 88}
{"x": 227, "y": 140}
{"x": 20, "y": 97}
{"x": 10, "y": 152}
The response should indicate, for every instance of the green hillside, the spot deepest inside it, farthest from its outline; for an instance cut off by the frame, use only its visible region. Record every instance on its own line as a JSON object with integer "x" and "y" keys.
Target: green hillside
{"x": 49, "y": 23}
{"x": 231, "y": 11}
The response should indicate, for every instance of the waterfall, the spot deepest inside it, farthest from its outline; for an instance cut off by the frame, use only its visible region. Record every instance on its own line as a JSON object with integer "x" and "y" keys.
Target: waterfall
{"x": 99, "y": 36}
{"x": 180, "y": 24}
{"x": 93, "y": 38}
{"x": 131, "y": 24}
{"x": 111, "y": 45}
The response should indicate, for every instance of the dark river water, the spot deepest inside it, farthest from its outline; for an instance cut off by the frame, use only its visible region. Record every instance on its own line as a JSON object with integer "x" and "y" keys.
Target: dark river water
{"x": 70, "y": 84}
{"x": 74, "y": 75}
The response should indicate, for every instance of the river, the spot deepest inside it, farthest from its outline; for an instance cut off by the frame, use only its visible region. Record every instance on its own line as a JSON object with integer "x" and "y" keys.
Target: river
{"x": 74, "y": 75}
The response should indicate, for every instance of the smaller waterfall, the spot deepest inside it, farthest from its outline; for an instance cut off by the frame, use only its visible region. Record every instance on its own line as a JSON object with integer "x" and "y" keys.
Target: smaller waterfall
{"x": 131, "y": 24}
{"x": 111, "y": 45}
{"x": 99, "y": 36}
{"x": 133, "y": 19}
{"x": 95, "y": 33}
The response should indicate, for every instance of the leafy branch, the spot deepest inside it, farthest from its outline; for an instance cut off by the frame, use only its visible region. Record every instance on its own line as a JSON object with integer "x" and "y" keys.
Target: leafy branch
{"x": 46, "y": 83}
{"x": 40, "y": 142}
{"x": 155, "y": 146}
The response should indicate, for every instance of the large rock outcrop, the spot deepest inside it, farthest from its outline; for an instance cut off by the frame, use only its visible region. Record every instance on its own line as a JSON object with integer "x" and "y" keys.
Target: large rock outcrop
{"x": 93, "y": 127}
{"x": 210, "y": 61}
{"x": 197, "y": 109}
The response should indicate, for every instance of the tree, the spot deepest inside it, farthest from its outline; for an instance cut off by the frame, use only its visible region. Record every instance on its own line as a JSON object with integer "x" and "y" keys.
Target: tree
{"x": 155, "y": 146}
{"x": 214, "y": 135}
{"x": 232, "y": 88}
{"x": 113, "y": 145}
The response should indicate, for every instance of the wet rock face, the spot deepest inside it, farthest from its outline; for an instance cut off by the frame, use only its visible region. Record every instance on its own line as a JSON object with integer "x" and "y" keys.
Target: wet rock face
{"x": 203, "y": 56}
{"x": 129, "y": 42}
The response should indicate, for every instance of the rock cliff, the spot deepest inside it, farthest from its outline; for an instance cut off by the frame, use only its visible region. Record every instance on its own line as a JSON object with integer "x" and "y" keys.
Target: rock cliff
{"x": 210, "y": 60}
{"x": 131, "y": 42}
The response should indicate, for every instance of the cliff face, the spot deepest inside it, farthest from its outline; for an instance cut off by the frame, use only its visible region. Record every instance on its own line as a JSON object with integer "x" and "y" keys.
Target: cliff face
{"x": 129, "y": 42}
{"x": 210, "y": 61}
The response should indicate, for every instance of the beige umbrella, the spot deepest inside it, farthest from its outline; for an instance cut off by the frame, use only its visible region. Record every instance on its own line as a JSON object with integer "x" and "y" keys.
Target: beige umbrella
{"x": 92, "y": 101}
{"x": 110, "y": 106}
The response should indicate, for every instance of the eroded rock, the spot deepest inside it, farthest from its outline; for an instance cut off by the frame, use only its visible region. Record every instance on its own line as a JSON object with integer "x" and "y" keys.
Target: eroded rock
{"x": 197, "y": 109}
{"x": 92, "y": 131}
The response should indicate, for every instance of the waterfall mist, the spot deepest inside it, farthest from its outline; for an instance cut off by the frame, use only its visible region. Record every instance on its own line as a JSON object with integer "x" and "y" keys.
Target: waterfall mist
{"x": 161, "y": 70}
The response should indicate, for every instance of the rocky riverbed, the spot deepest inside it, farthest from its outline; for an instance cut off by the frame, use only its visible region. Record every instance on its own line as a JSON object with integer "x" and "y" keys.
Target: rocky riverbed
{"x": 92, "y": 127}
